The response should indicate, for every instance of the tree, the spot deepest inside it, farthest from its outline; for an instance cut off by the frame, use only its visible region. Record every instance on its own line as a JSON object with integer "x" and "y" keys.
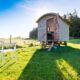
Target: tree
{"x": 33, "y": 33}
{"x": 74, "y": 22}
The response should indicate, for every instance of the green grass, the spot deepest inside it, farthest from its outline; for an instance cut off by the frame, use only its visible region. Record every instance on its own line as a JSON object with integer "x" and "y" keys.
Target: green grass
{"x": 12, "y": 68}
{"x": 33, "y": 63}
{"x": 75, "y": 41}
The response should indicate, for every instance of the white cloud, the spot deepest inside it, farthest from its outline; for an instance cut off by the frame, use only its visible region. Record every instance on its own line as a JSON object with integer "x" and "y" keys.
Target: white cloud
{"x": 38, "y": 11}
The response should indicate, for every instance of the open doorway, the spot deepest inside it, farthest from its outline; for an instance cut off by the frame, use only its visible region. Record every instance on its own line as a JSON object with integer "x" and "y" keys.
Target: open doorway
{"x": 50, "y": 30}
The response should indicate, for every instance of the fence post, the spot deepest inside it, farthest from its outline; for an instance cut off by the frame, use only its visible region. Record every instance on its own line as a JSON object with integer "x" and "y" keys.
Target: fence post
{"x": 10, "y": 38}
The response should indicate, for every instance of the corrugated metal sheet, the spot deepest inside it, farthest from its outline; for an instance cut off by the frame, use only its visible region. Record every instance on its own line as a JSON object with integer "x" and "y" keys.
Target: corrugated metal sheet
{"x": 63, "y": 31}
{"x": 42, "y": 30}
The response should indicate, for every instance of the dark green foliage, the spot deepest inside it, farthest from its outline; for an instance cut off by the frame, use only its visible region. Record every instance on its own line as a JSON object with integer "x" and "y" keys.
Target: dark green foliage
{"x": 33, "y": 34}
{"x": 74, "y": 21}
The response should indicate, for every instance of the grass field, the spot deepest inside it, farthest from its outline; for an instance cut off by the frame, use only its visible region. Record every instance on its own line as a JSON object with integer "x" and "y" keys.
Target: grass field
{"x": 33, "y": 63}
{"x": 76, "y": 41}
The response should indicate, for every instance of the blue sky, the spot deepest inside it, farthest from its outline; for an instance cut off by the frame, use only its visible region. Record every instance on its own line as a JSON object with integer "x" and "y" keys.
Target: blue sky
{"x": 18, "y": 17}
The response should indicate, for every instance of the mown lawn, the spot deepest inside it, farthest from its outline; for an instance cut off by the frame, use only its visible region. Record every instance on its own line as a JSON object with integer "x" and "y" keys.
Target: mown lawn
{"x": 76, "y": 41}
{"x": 33, "y": 63}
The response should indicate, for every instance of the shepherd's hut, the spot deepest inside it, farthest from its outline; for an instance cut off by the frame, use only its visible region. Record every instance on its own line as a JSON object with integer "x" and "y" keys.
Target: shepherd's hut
{"x": 52, "y": 28}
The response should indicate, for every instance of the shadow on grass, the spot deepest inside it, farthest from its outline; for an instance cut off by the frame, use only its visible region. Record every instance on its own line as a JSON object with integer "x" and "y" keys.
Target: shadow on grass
{"x": 60, "y": 64}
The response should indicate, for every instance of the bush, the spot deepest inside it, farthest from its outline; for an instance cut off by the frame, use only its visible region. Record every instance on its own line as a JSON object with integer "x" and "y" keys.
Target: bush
{"x": 31, "y": 44}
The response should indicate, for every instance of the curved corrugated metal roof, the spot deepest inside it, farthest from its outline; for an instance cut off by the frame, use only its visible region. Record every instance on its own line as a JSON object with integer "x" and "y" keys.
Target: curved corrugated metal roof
{"x": 47, "y": 14}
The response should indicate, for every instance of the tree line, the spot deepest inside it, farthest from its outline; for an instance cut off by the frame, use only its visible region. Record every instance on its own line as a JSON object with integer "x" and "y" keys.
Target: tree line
{"x": 72, "y": 19}
{"x": 33, "y": 33}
